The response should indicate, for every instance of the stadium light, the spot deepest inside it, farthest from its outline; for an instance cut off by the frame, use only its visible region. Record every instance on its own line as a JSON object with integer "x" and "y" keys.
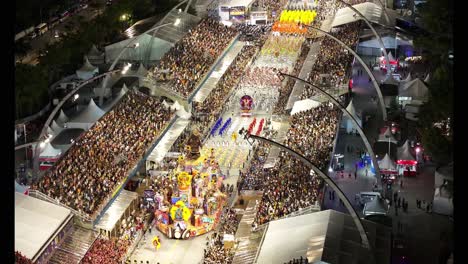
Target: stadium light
{"x": 177, "y": 22}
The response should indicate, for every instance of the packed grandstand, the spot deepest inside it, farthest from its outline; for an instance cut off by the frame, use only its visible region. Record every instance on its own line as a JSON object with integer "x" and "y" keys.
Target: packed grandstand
{"x": 99, "y": 163}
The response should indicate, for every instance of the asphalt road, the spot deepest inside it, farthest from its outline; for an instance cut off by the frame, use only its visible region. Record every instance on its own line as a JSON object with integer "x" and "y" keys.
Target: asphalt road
{"x": 40, "y": 43}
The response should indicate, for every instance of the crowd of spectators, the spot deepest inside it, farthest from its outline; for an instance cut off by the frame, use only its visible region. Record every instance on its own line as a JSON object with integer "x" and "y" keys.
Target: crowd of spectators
{"x": 106, "y": 251}
{"x": 191, "y": 57}
{"x": 101, "y": 158}
{"x": 298, "y": 261}
{"x": 214, "y": 103}
{"x": 288, "y": 186}
{"x": 332, "y": 59}
{"x": 216, "y": 252}
{"x": 21, "y": 259}
{"x": 272, "y": 6}
{"x": 312, "y": 133}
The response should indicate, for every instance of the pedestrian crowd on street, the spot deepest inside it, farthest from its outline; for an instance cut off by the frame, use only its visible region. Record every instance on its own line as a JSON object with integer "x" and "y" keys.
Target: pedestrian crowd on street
{"x": 192, "y": 56}
{"x": 101, "y": 158}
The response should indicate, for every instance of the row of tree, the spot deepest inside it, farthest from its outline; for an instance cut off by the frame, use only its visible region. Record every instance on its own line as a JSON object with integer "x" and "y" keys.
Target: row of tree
{"x": 437, "y": 18}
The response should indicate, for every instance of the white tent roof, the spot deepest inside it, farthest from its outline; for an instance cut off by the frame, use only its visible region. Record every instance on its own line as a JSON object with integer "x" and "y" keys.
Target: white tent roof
{"x": 116, "y": 210}
{"x": 50, "y": 151}
{"x": 176, "y": 105}
{"x": 142, "y": 70}
{"x": 94, "y": 52}
{"x": 408, "y": 78}
{"x": 183, "y": 114}
{"x": 386, "y": 135}
{"x": 387, "y": 163}
{"x": 50, "y": 131}
{"x": 415, "y": 89}
{"x": 35, "y": 223}
{"x": 371, "y": 11}
{"x": 165, "y": 104}
{"x": 87, "y": 66}
{"x": 55, "y": 127}
{"x": 350, "y": 108}
{"x": 62, "y": 119}
{"x": 322, "y": 236}
{"x": 403, "y": 152}
{"x": 304, "y": 105}
{"x": 428, "y": 77}
{"x": 91, "y": 114}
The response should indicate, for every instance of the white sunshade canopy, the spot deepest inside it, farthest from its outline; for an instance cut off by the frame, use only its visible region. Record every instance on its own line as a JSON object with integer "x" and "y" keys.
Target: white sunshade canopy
{"x": 387, "y": 164}
{"x": 304, "y": 105}
{"x": 350, "y": 108}
{"x": 386, "y": 136}
{"x": 403, "y": 152}
{"x": 87, "y": 71}
{"x": 35, "y": 223}
{"x": 62, "y": 119}
{"x": 416, "y": 89}
{"x": 91, "y": 114}
{"x": 371, "y": 11}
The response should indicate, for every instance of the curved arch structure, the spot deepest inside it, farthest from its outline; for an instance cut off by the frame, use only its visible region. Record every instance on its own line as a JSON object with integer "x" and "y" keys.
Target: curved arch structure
{"x": 369, "y": 72}
{"x": 375, "y": 33}
{"x": 351, "y": 117}
{"x": 330, "y": 182}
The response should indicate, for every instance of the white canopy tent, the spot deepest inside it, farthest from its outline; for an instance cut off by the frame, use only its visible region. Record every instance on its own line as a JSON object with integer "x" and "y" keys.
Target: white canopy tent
{"x": 347, "y": 123}
{"x": 413, "y": 90}
{"x": 387, "y": 136}
{"x": 49, "y": 153}
{"x": 62, "y": 119}
{"x": 55, "y": 127}
{"x": 304, "y": 105}
{"x": 87, "y": 71}
{"x": 403, "y": 152}
{"x": 95, "y": 56}
{"x": 387, "y": 165}
{"x": 36, "y": 222}
{"x": 371, "y": 11}
{"x": 428, "y": 78}
{"x": 87, "y": 117}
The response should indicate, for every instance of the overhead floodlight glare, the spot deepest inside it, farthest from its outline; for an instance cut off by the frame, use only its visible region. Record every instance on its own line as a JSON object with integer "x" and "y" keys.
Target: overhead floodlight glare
{"x": 42, "y": 145}
{"x": 330, "y": 169}
{"x": 137, "y": 44}
{"x": 177, "y": 22}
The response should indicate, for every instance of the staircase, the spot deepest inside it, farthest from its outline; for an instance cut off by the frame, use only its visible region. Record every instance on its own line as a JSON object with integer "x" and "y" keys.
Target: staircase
{"x": 249, "y": 242}
{"x": 74, "y": 246}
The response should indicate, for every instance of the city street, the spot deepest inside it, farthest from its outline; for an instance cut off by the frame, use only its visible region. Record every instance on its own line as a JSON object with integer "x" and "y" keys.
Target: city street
{"x": 40, "y": 43}
{"x": 428, "y": 231}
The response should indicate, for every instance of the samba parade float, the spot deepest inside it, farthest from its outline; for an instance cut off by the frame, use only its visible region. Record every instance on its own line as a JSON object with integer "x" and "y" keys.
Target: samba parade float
{"x": 195, "y": 205}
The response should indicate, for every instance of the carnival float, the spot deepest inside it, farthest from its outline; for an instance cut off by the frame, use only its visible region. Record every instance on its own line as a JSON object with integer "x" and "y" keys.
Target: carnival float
{"x": 195, "y": 205}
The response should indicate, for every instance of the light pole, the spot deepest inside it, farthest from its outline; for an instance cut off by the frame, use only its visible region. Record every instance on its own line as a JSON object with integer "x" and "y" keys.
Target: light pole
{"x": 129, "y": 45}
{"x": 364, "y": 238}
{"x": 351, "y": 117}
{"x": 364, "y": 65}
{"x": 390, "y": 79}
